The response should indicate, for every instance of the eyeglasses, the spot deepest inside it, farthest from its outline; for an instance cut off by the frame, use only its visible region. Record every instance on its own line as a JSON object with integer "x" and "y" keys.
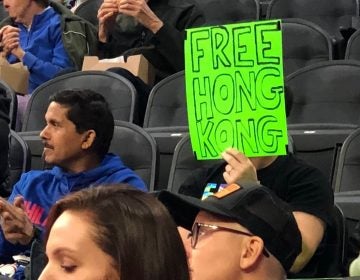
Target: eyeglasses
{"x": 198, "y": 230}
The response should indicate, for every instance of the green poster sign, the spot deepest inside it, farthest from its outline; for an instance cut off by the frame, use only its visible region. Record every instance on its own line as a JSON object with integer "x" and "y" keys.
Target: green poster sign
{"x": 235, "y": 89}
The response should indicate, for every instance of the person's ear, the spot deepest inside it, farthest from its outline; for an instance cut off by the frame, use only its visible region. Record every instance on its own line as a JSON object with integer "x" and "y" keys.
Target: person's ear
{"x": 88, "y": 139}
{"x": 251, "y": 251}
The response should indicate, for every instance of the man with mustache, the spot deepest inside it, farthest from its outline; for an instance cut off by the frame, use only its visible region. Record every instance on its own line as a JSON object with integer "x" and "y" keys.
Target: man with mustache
{"x": 78, "y": 132}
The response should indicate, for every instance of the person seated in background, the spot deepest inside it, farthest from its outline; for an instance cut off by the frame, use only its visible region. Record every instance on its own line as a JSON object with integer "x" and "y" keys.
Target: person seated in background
{"x": 302, "y": 186}
{"x": 78, "y": 132}
{"x": 113, "y": 232}
{"x": 4, "y": 143}
{"x": 155, "y": 29}
{"x": 241, "y": 232}
{"x": 47, "y": 38}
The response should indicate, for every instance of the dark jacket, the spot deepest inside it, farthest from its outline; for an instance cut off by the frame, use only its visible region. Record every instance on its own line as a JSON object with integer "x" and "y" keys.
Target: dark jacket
{"x": 79, "y": 36}
{"x": 165, "y": 49}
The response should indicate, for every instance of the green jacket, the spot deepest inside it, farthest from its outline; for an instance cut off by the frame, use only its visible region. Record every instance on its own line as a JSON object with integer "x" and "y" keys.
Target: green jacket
{"x": 79, "y": 36}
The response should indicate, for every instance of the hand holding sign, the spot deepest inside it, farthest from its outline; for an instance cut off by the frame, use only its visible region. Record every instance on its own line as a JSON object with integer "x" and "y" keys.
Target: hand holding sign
{"x": 239, "y": 169}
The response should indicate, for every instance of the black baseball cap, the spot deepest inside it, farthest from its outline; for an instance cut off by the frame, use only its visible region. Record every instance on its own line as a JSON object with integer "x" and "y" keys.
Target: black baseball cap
{"x": 253, "y": 206}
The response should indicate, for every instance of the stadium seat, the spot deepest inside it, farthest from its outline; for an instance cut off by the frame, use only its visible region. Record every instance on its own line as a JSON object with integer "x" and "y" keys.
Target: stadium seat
{"x": 334, "y": 16}
{"x": 325, "y": 92}
{"x": 10, "y": 93}
{"x": 348, "y": 172}
{"x": 19, "y": 158}
{"x": 166, "y": 120}
{"x": 218, "y": 12}
{"x": 137, "y": 149}
{"x": 88, "y": 10}
{"x": 304, "y": 43}
{"x": 118, "y": 91}
{"x": 319, "y": 145}
{"x": 353, "y": 46}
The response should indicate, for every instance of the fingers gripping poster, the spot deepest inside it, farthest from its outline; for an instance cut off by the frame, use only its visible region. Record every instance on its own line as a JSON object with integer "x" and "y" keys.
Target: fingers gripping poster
{"x": 235, "y": 89}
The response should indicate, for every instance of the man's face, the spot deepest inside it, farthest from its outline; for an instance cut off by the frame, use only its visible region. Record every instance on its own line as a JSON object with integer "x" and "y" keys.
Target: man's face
{"x": 63, "y": 146}
{"x": 17, "y": 9}
{"x": 216, "y": 255}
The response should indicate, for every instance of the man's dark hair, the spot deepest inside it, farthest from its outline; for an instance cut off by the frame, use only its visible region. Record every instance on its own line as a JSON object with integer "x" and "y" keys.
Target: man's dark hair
{"x": 89, "y": 110}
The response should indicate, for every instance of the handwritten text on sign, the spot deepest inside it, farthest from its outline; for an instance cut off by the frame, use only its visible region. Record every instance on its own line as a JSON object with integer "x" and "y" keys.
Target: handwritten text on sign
{"x": 234, "y": 88}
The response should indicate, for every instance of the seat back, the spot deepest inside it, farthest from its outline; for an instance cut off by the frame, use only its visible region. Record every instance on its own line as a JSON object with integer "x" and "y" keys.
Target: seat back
{"x": 36, "y": 146}
{"x": 325, "y": 92}
{"x": 167, "y": 103}
{"x": 319, "y": 144}
{"x": 118, "y": 91}
{"x": 10, "y": 93}
{"x": 233, "y": 11}
{"x": 328, "y": 14}
{"x": 348, "y": 172}
{"x": 298, "y": 52}
{"x": 88, "y": 10}
{"x": 19, "y": 158}
{"x": 137, "y": 150}
{"x": 332, "y": 262}
{"x": 184, "y": 163}
{"x": 349, "y": 202}
{"x": 166, "y": 139}
{"x": 353, "y": 46}
{"x": 166, "y": 119}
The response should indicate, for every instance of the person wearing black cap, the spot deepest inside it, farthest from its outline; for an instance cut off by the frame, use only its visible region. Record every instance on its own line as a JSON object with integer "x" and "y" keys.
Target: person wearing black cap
{"x": 302, "y": 186}
{"x": 251, "y": 219}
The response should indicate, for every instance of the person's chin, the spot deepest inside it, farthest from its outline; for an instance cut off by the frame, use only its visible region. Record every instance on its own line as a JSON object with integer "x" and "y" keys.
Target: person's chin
{"x": 47, "y": 156}
{"x": 46, "y": 152}
{"x": 14, "y": 17}
{"x": 48, "y": 160}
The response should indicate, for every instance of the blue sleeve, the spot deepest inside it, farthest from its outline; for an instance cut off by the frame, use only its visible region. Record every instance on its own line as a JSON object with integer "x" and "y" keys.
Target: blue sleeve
{"x": 136, "y": 182}
{"x": 41, "y": 70}
{"x": 7, "y": 249}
